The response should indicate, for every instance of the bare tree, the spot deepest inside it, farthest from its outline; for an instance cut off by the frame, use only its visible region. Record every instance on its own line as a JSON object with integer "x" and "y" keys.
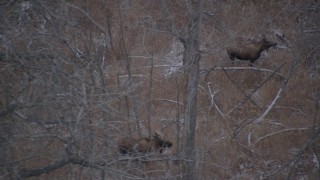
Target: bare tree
{"x": 78, "y": 76}
{"x": 54, "y": 88}
{"x": 191, "y": 61}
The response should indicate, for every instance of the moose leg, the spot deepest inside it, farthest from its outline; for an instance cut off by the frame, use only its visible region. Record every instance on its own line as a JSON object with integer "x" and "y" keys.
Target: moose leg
{"x": 123, "y": 150}
{"x": 251, "y": 62}
{"x": 231, "y": 58}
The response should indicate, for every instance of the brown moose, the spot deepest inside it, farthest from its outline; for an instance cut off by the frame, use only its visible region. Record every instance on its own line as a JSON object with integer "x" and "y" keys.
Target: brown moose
{"x": 143, "y": 145}
{"x": 250, "y": 52}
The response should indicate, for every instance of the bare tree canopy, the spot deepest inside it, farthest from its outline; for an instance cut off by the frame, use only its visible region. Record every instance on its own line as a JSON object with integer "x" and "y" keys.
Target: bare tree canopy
{"x": 158, "y": 89}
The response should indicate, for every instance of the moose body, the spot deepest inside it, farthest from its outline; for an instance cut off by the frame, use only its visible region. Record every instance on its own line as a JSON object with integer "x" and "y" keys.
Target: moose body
{"x": 143, "y": 145}
{"x": 250, "y": 52}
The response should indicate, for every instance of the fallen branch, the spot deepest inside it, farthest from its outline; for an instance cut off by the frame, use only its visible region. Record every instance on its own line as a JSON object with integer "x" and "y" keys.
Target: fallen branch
{"x": 169, "y": 100}
{"x": 279, "y": 94}
{"x": 25, "y": 173}
{"x": 273, "y": 103}
{"x": 240, "y": 68}
{"x": 279, "y": 132}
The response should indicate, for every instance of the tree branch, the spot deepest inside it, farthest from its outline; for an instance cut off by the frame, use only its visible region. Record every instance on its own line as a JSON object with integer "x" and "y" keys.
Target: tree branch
{"x": 25, "y": 173}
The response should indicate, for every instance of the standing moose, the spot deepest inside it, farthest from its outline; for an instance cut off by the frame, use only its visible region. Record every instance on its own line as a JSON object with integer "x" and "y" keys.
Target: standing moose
{"x": 143, "y": 145}
{"x": 250, "y": 52}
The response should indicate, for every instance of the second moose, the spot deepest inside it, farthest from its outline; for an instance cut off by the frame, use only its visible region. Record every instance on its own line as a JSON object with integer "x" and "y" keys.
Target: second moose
{"x": 143, "y": 145}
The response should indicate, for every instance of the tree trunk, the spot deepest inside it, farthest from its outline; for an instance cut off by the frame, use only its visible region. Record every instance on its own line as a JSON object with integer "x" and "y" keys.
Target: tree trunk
{"x": 191, "y": 60}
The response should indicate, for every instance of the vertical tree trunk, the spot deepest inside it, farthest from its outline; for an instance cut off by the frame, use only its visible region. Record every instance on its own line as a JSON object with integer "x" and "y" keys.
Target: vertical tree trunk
{"x": 191, "y": 117}
{"x": 150, "y": 97}
{"x": 191, "y": 60}
{"x": 128, "y": 67}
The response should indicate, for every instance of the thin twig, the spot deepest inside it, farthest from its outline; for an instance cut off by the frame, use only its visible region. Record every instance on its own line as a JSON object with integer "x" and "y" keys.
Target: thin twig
{"x": 87, "y": 15}
{"x": 169, "y": 100}
{"x": 212, "y": 102}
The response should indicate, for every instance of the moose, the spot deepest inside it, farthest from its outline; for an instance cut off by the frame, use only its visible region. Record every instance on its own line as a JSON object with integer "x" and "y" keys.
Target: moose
{"x": 251, "y": 51}
{"x": 143, "y": 145}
